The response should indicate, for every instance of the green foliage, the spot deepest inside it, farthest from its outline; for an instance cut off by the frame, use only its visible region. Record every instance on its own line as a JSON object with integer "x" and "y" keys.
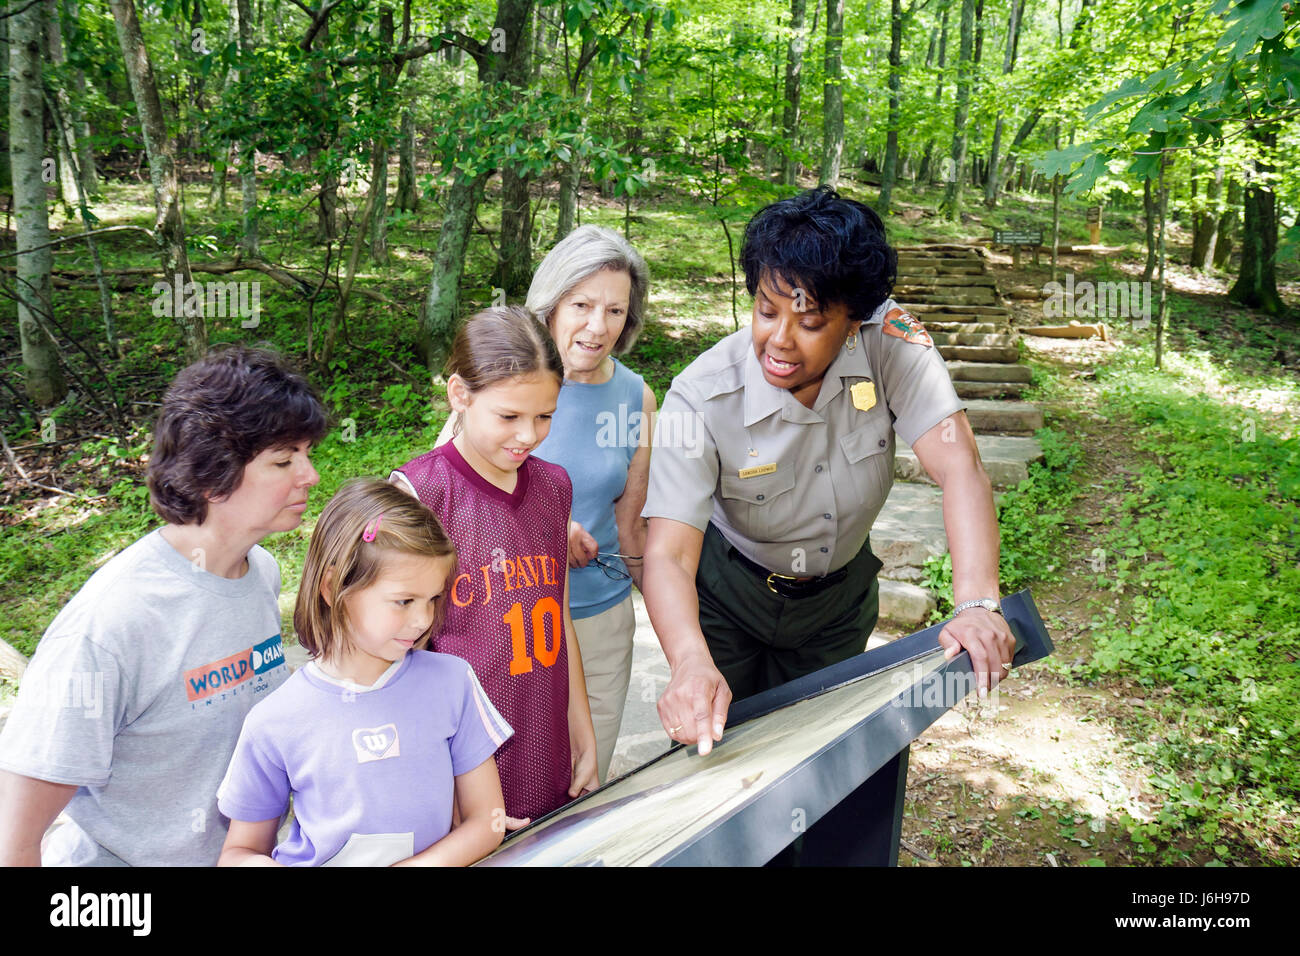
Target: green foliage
{"x": 1031, "y": 518}
{"x": 1204, "y": 549}
{"x": 1240, "y": 70}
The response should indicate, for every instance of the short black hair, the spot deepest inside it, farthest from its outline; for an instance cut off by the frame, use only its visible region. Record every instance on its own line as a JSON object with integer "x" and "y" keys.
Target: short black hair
{"x": 832, "y": 247}
{"x": 218, "y": 415}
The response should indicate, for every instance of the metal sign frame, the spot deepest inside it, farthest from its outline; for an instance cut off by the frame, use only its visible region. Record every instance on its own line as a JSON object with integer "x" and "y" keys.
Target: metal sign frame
{"x": 850, "y": 791}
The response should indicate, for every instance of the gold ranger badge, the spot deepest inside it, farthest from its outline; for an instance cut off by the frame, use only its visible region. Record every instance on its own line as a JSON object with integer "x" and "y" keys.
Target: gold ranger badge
{"x": 863, "y": 395}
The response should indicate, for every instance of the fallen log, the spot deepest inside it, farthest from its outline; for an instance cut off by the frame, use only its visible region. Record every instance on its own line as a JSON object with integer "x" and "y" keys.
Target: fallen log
{"x": 68, "y": 278}
{"x": 1072, "y": 331}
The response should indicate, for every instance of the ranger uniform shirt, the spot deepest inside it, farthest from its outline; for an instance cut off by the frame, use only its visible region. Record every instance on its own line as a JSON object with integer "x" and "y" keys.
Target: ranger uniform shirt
{"x": 796, "y": 489}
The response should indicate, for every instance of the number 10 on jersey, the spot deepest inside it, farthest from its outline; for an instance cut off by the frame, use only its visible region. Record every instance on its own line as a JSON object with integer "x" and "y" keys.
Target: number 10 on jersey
{"x": 546, "y": 651}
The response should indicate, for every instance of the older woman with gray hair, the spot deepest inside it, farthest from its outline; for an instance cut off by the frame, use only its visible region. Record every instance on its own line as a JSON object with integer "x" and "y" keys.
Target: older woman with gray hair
{"x": 590, "y": 292}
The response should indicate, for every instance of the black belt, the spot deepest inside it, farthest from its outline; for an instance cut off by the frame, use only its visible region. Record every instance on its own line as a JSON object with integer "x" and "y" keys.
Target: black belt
{"x": 786, "y": 585}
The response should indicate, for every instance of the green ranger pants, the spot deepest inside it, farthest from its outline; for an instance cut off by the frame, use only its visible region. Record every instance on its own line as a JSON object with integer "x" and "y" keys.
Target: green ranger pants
{"x": 760, "y": 639}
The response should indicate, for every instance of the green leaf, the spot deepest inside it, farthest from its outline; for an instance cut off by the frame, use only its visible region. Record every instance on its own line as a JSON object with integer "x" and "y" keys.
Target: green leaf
{"x": 1059, "y": 162}
{"x": 1154, "y": 117}
{"x": 1133, "y": 86}
{"x": 1249, "y": 22}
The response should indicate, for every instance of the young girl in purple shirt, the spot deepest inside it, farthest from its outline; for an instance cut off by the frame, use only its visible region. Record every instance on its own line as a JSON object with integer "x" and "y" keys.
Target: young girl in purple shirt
{"x": 373, "y": 737}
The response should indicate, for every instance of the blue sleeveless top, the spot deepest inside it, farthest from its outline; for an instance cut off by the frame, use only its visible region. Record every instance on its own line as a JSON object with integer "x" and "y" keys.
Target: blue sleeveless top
{"x": 594, "y": 434}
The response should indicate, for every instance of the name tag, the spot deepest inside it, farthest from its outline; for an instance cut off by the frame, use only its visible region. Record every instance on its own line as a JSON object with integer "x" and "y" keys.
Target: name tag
{"x": 758, "y": 470}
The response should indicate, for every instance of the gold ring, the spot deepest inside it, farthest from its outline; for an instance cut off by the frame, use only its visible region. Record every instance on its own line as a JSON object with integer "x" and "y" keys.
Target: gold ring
{"x": 1006, "y": 666}
{"x": 675, "y": 729}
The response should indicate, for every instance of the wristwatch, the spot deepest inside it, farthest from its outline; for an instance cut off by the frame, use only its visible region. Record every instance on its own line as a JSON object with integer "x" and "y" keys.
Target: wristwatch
{"x": 987, "y": 603}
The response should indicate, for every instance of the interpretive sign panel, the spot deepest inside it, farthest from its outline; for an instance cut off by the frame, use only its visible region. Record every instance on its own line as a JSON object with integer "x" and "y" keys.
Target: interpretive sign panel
{"x": 789, "y": 758}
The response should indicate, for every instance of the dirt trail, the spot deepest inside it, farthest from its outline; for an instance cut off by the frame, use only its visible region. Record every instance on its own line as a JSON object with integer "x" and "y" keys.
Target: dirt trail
{"x": 1041, "y": 773}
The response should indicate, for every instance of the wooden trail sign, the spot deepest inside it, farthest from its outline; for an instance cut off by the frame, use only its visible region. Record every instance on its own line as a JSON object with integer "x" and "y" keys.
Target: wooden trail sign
{"x": 1015, "y": 238}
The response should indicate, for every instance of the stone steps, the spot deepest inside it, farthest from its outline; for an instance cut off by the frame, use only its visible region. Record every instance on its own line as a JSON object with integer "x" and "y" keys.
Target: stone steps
{"x": 984, "y": 339}
{"x": 909, "y": 528}
{"x": 944, "y": 280}
{"x": 994, "y": 328}
{"x": 942, "y": 249}
{"x": 1009, "y": 354}
{"x": 989, "y": 372}
{"x": 969, "y": 390}
{"x": 1005, "y": 417}
{"x": 963, "y": 296}
{"x": 930, "y": 268}
{"x": 904, "y": 602}
{"x": 1006, "y": 460}
{"x": 946, "y": 309}
{"x": 950, "y": 290}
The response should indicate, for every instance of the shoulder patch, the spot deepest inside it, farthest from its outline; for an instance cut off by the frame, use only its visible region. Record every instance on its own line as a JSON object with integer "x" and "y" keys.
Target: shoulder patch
{"x": 901, "y": 325}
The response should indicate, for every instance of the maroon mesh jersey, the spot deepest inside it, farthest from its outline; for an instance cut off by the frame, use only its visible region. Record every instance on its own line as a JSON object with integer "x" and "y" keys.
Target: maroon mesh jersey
{"x": 505, "y": 610}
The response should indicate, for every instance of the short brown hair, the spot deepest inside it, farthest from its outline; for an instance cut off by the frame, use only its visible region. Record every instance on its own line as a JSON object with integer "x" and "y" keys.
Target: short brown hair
{"x": 218, "y": 415}
{"x": 500, "y": 343}
{"x": 337, "y": 544}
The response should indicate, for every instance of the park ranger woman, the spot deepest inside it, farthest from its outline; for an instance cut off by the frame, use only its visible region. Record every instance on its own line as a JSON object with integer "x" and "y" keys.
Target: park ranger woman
{"x": 758, "y": 567}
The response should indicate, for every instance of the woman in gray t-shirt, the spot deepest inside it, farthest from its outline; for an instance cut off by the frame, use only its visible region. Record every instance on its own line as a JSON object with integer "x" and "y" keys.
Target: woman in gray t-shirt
{"x": 129, "y": 712}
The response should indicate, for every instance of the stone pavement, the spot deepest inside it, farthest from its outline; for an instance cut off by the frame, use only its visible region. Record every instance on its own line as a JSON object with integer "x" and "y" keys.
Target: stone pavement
{"x": 948, "y": 288}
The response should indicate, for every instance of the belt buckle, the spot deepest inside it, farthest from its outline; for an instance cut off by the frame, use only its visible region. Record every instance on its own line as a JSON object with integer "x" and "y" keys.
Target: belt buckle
{"x": 783, "y": 577}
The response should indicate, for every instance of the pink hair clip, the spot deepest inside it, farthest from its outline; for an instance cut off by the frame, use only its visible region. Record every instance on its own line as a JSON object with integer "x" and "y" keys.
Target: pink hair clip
{"x": 372, "y": 529}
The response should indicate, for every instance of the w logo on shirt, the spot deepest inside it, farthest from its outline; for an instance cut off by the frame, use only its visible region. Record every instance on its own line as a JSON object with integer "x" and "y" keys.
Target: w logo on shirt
{"x": 376, "y": 743}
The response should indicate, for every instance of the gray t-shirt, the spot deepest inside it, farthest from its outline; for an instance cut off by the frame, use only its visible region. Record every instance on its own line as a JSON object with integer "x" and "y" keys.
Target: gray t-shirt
{"x": 136, "y": 694}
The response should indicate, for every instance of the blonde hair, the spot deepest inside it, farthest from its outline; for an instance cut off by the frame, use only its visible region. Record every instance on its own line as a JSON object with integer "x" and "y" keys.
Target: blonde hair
{"x": 364, "y": 519}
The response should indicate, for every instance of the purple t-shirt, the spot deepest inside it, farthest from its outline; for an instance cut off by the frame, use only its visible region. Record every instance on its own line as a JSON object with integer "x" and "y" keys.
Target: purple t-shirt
{"x": 371, "y": 772}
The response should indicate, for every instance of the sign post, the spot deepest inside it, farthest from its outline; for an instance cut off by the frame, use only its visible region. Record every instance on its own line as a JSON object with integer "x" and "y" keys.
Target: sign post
{"x": 1094, "y": 224}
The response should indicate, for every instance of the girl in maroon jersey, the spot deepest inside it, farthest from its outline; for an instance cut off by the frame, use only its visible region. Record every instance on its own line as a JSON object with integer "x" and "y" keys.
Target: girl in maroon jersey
{"x": 508, "y": 514}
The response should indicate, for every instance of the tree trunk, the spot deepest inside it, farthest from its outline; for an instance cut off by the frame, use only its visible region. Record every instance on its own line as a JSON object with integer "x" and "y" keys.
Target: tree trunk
{"x": 951, "y": 205}
{"x": 378, "y": 219}
{"x": 64, "y": 131}
{"x": 438, "y": 317}
{"x": 378, "y": 215}
{"x": 1256, "y": 285}
{"x": 993, "y": 177}
{"x": 1149, "y": 213}
{"x": 85, "y": 152}
{"x": 889, "y": 174}
{"x": 1205, "y": 225}
{"x": 249, "y": 241}
{"x": 833, "y": 95}
{"x": 514, "y": 269}
{"x": 927, "y": 161}
{"x": 408, "y": 197}
{"x": 793, "y": 87}
{"x": 441, "y": 303}
{"x": 1227, "y": 226}
{"x": 44, "y": 383}
{"x": 169, "y": 227}
{"x": 327, "y": 227}
{"x": 637, "y": 133}
{"x": 1165, "y": 162}
{"x": 571, "y": 175}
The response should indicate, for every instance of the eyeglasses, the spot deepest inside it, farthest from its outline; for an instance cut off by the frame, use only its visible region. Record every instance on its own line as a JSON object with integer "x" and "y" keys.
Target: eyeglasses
{"x": 612, "y": 570}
